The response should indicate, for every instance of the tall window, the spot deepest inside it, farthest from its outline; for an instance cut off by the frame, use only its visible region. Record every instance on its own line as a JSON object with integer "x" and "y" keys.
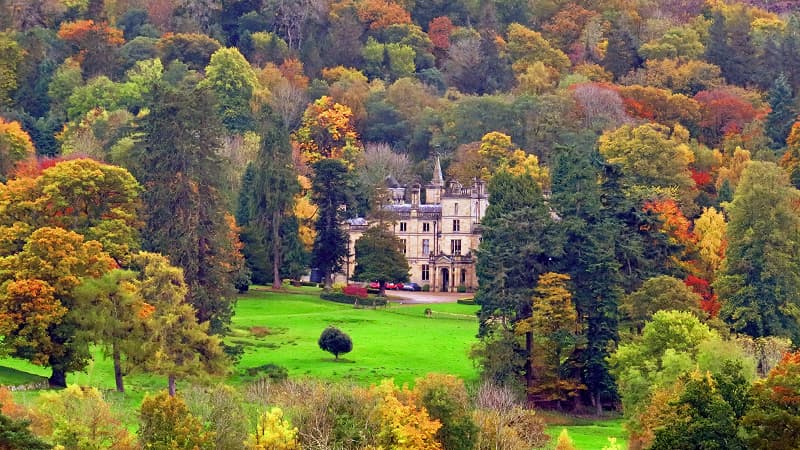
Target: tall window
{"x": 426, "y": 272}
{"x": 426, "y": 247}
{"x": 426, "y": 226}
{"x": 456, "y": 225}
{"x": 403, "y": 244}
{"x": 463, "y": 276}
{"x": 455, "y": 247}
{"x": 402, "y": 226}
{"x": 455, "y": 209}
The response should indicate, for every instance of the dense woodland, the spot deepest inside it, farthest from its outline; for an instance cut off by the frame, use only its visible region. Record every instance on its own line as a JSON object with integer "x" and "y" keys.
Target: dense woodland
{"x": 641, "y": 251}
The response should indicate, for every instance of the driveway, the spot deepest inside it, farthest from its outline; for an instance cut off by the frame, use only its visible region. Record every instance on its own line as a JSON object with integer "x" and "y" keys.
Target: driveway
{"x": 426, "y": 297}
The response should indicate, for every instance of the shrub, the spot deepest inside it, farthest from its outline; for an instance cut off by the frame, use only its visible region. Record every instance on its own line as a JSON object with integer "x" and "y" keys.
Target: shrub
{"x": 338, "y": 287}
{"x": 221, "y": 408}
{"x": 334, "y": 340}
{"x": 446, "y": 399}
{"x": 466, "y": 301}
{"x": 273, "y": 433}
{"x": 271, "y": 371}
{"x": 564, "y": 441}
{"x": 327, "y": 415}
{"x": 79, "y": 418}
{"x": 351, "y": 299}
{"x": 426, "y": 287}
{"x": 165, "y": 422}
{"x": 461, "y": 288}
{"x": 16, "y": 434}
{"x": 355, "y": 290}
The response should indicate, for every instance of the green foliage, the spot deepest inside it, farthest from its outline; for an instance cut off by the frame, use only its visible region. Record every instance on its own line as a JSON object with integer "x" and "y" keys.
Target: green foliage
{"x": 166, "y": 424}
{"x": 446, "y": 399}
{"x": 773, "y": 419}
{"x": 657, "y": 294}
{"x": 231, "y": 78}
{"x": 15, "y": 434}
{"x": 705, "y": 419}
{"x": 334, "y": 340}
{"x": 760, "y": 281}
{"x": 177, "y": 160}
{"x": 783, "y": 113}
{"x": 379, "y": 256}
{"x": 332, "y": 193}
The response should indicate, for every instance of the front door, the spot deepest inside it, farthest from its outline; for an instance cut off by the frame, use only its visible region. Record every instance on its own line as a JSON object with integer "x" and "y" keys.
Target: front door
{"x": 445, "y": 279}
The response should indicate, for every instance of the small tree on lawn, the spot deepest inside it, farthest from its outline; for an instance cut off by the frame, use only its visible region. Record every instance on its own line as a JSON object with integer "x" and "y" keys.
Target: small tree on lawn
{"x": 334, "y": 340}
{"x": 379, "y": 256}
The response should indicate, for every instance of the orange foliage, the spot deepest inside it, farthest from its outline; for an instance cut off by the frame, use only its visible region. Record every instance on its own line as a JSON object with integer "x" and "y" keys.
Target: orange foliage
{"x": 709, "y": 302}
{"x": 88, "y": 32}
{"x": 723, "y": 112}
{"x": 439, "y": 31}
{"x": 30, "y": 306}
{"x": 380, "y": 14}
{"x": 675, "y": 225}
{"x": 292, "y": 70}
{"x": 326, "y": 131}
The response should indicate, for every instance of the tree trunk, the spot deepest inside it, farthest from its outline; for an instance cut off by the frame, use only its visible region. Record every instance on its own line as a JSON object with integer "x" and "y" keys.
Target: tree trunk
{"x": 171, "y": 381}
{"x": 597, "y": 404}
{"x": 529, "y": 365}
{"x": 58, "y": 379}
{"x": 117, "y": 368}
{"x": 382, "y": 288}
{"x": 328, "y": 281}
{"x": 276, "y": 249}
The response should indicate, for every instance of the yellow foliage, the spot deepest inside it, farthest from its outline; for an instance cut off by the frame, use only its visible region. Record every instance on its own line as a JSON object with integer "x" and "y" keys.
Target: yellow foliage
{"x": 15, "y": 146}
{"x": 564, "y": 442}
{"x": 403, "y": 424}
{"x": 273, "y": 433}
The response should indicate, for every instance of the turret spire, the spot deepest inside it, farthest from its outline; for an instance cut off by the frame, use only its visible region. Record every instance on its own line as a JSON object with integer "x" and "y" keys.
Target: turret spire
{"x": 438, "y": 179}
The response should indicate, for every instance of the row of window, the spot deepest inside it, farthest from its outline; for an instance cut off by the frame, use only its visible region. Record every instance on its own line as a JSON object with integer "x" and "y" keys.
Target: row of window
{"x": 455, "y": 246}
{"x": 426, "y": 226}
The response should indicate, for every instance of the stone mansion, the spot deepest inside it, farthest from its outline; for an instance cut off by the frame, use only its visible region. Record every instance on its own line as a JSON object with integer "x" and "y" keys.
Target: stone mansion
{"x": 439, "y": 235}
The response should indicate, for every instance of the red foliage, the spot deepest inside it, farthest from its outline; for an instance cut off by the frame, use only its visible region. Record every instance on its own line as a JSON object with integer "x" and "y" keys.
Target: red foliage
{"x": 638, "y": 109}
{"x": 355, "y": 290}
{"x": 709, "y": 301}
{"x": 722, "y": 111}
{"x": 439, "y": 31}
{"x": 701, "y": 177}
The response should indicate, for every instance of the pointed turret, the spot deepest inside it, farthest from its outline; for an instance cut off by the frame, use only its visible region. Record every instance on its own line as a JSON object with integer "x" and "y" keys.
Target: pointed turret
{"x": 438, "y": 179}
{"x": 433, "y": 191}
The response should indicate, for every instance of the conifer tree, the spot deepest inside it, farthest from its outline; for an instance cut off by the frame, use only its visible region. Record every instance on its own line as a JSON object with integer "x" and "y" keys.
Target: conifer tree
{"x": 782, "y": 114}
{"x": 332, "y": 193}
{"x": 266, "y": 205}
{"x": 180, "y": 169}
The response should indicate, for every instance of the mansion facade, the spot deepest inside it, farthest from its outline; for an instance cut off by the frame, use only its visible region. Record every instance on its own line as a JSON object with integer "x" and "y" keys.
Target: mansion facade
{"x": 439, "y": 235}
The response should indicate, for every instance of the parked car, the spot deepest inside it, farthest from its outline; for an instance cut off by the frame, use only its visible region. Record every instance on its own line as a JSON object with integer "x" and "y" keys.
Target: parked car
{"x": 390, "y": 285}
{"x": 374, "y": 285}
{"x": 411, "y": 287}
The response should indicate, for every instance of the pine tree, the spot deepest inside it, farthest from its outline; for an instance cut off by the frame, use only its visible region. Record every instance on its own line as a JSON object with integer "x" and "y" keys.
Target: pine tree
{"x": 622, "y": 55}
{"x": 265, "y": 205}
{"x": 783, "y": 112}
{"x": 180, "y": 169}
{"x": 332, "y": 193}
{"x": 589, "y": 216}
{"x": 520, "y": 241}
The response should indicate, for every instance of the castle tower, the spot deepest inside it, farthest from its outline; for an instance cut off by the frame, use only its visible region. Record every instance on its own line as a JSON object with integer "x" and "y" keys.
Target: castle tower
{"x": 433, "y": 191}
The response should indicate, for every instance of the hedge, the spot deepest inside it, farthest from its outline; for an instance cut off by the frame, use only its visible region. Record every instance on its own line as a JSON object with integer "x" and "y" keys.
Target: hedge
{"x": 340, "y": 297}
{"x": 466, "y": 301}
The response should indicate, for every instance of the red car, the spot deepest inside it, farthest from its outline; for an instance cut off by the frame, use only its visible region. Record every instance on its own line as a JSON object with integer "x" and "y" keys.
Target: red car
{"x": 374, "y": 285}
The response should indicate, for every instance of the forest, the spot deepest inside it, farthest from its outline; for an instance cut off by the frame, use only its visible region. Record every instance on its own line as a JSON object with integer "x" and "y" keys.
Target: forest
{"x": 640, "y": 252}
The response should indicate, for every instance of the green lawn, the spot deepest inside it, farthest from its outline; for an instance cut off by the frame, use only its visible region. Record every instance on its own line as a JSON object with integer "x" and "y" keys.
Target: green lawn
{"x": 592, "y": 435}
{"x": 394, "y": 342}
{"x": 398, "y": 342}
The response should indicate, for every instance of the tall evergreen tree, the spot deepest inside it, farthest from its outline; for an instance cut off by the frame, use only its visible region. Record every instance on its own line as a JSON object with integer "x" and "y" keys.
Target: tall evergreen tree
{"x": 717, "y": 49}
{"x": 783, "y": 113}
{"x": 520, "y": 241}
{"x": 266, "y": 201}
{"x": 589, "y": 218}
{"x": 332, "y": 193}
{"x": 180, "y": 169}
{"x": 622, "y": 55}
{"x": 760, "y": 282}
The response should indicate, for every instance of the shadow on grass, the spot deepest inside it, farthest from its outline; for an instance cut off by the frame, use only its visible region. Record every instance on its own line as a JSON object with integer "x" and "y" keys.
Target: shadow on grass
{"x": 340, "y": 360}
{"x": 14, "y": 377}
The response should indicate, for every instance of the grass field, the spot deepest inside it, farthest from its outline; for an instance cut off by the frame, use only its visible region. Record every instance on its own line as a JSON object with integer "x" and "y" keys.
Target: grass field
{"x": 398, "y": 342}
